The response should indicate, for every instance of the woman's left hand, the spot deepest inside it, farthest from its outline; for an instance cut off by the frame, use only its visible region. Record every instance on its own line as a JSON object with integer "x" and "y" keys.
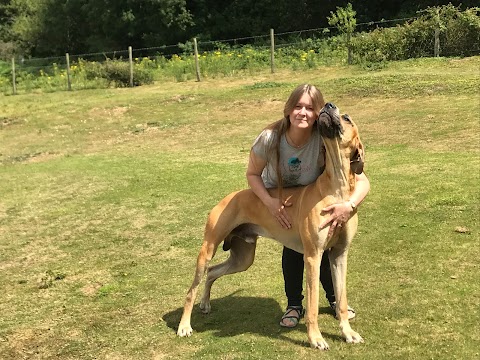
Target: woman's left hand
{"x": 339, "y": 215}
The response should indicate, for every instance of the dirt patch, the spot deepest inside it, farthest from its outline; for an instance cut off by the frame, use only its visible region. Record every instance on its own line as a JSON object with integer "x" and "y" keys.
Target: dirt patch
{"x": 4, "y": 122}
{"x": 29, "y": 158}
{"x": 181, "y": 98}
{"x": 112, "y": 113}
{"x": 91, "y": 290}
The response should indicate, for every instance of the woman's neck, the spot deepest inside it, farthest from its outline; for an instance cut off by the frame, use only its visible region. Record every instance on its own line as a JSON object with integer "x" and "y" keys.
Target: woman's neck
{"x": 298, "y": 137}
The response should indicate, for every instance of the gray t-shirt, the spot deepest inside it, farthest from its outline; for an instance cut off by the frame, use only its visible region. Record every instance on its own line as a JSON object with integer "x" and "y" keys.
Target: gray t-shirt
{"x": 299, "y": 166}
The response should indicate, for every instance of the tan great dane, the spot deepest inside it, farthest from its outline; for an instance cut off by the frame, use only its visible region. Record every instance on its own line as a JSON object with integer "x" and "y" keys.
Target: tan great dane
{"x": 241, "y": 217}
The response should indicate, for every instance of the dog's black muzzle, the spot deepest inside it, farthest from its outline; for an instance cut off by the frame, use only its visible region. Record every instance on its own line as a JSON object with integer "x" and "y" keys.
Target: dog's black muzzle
{"x": 329, "y": 121}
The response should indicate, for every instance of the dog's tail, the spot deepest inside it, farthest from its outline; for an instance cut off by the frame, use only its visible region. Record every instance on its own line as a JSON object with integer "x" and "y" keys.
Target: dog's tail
{"x": 227, "y": 243}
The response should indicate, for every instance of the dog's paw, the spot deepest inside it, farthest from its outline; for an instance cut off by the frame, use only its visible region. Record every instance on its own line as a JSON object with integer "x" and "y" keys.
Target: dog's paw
{"x": 319, "y": 344}
{"x": 184, "y": 331}
{"x": 205, "y": 307}
{"x": 352, "y": 337}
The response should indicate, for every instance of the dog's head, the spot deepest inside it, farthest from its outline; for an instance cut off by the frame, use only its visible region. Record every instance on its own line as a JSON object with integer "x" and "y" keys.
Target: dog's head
{"x": 332, "y": 125}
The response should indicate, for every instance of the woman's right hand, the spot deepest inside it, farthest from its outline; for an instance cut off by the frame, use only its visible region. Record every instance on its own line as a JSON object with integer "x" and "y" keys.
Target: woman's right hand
{"x": 277, "y": 209}
{"x": 274, "y": 205}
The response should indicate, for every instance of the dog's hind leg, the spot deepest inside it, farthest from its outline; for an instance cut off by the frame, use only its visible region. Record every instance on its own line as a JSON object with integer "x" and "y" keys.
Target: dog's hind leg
{"x": 242, "y": 254}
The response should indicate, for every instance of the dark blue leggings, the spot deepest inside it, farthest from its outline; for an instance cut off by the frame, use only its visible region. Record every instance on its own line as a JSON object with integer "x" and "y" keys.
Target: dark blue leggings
{"x": 292, "y": 266}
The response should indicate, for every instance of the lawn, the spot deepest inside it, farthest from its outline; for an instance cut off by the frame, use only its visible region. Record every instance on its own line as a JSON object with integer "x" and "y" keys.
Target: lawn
{"x": 104, "y": 195}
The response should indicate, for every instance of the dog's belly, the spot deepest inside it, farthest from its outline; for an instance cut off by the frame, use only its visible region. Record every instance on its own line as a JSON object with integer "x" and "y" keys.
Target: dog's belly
{"x": 288, "y": 238}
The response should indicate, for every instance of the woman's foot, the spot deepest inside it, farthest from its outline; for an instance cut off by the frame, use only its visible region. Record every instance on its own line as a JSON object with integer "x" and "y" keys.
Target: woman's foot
{"x": 292, "y": 316}
{"x": 351, "y": 312}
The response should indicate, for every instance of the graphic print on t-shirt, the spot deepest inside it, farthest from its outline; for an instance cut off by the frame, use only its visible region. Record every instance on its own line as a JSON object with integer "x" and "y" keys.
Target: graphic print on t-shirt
{"x": 294, "y": 171}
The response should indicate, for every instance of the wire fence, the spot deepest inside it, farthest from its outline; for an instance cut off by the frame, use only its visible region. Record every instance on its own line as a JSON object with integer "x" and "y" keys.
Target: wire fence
{"x": 26, "y": 69}
{"x": 282, "y": 39}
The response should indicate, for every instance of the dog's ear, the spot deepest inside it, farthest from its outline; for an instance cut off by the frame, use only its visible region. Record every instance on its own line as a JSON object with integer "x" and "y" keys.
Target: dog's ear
{"x": 357, "y": 159}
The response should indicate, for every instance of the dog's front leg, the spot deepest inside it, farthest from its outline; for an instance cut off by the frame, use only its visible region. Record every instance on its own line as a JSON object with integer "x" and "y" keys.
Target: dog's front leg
{"x": 312, "y": 266}
{"x": 338, "y": 263}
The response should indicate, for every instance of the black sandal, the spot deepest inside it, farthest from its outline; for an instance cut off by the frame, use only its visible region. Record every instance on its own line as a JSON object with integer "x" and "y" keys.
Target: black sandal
{"x": 351, "y": 312}
{"x": 294, "y": 314}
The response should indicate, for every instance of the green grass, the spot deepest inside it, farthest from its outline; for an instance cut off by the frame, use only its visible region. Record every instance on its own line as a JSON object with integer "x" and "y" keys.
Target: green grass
{"x": 104, "y": 195}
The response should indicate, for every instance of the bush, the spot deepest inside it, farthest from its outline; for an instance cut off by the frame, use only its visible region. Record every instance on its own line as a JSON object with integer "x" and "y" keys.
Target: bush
{"x": 117, "y": 73}
{"x": 5, "y": 69}
{"x": 379, "y": 45}
{"x": 459, "y": 35}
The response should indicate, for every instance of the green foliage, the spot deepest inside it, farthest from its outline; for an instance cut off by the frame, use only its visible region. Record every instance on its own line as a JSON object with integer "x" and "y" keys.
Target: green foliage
{"x": 460, "y": 31}
{"x": 117, "y": 73}
{"x": 264, "y": 85}
{"x": 344, "y": 19}
{"x": 45, "y": 27}
{"x": 459, "y": 35}
{"x": 379, "y": 45}
{"x": 5, "y": 68}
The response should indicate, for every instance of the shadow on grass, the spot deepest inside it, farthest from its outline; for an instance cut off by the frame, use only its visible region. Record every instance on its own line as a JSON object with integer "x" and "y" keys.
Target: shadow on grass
{"x": 235, "y": 315}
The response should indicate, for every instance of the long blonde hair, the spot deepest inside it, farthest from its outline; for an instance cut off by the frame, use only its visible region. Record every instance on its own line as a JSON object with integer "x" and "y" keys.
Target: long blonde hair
{"x": 280, "y": 127}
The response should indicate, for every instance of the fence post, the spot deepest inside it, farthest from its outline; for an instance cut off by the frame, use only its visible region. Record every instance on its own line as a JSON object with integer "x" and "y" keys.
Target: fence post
{"x": 197, "y": 66}
{"x": 69, "y": 82}
{"x": 349, "y": 49}
{"x": 436, "y": 49}
{"x": 272, "y": 51}
{"x": 130, "y": 60}
{"x": 14, "y": 81}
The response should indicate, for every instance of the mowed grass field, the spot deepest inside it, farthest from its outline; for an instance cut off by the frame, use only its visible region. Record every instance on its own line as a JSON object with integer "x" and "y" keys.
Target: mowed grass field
{"x": 104, "y": 195}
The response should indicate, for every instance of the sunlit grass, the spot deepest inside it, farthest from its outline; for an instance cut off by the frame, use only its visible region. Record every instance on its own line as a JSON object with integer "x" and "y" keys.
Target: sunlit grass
{"x": 105, "y": 193}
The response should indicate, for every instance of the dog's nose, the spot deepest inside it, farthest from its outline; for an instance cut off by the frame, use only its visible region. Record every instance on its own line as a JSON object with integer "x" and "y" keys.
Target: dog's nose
{"x": 330, "y": 106}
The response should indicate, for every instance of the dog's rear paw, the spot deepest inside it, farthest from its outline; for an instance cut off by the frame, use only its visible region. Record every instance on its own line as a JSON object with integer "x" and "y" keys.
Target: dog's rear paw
{"x": 184, "y": 331}
{"x": 205, "y": 307}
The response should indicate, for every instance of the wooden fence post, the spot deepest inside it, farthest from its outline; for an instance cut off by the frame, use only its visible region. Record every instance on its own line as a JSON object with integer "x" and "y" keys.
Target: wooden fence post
{"x": 349, "y": 49}
{"x": 436, "y": 49}
{"x": 69, "y": 82}
{"x": 130, "y": 60}
{"x": 272, "y": 51}
{"x": 197, "y": 66}
{"x": 14, "y": 81}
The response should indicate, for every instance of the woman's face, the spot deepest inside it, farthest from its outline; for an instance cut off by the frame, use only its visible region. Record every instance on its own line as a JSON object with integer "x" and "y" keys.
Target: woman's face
{"x": 303, "y": 115}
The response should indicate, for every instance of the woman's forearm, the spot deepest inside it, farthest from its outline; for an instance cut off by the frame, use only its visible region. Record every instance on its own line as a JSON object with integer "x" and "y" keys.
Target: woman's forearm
{"x": 362, "y": 187}
{"x": 258, "y": 187}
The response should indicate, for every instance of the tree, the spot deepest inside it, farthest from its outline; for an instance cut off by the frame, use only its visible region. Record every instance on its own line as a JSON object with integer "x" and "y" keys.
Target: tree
{"x": 344, "y": 20}
{"x": 52, "y": 27}
{"x": 7, "y": 47}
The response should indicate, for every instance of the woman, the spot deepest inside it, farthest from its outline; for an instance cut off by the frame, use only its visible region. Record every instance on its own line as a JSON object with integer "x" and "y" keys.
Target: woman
{"x": 287, "y": 153}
